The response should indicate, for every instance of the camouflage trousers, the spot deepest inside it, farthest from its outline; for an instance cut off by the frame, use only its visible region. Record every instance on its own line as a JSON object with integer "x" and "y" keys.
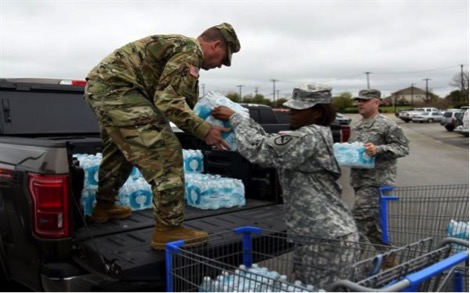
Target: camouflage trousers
{"x": 321, "y": 262}
{"x": 135, "y": 133}
{"x": 366, "y": 214}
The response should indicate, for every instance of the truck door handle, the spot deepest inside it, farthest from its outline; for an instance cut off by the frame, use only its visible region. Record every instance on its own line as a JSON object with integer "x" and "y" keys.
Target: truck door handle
{"x": 6, "y": 111}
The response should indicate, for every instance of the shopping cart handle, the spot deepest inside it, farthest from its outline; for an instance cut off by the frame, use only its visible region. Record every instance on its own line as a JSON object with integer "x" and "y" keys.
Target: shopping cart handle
{"x": 417, "y": 278}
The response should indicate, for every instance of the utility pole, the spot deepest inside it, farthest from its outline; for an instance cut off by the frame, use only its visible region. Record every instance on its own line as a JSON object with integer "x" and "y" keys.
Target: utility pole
{"x": 240, "y": 90}
{"x": 462, "y": 85}
{"x": 256, "y": 91}
{"x": 427, "y": 91}
{"x": 274, "y": 89}
{"x": 412, "y": 87}
{"x": 368, "y": 85}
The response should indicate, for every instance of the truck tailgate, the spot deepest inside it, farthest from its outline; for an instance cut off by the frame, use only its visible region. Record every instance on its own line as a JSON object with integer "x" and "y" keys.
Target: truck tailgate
{"x": 124, "y": 246}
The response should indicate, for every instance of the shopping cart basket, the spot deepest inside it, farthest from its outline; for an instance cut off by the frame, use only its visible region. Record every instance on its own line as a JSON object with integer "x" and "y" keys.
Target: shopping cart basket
{"x": 439, "y": 270}
{"x": 412, "y": 213}
{"x": 251, "y": 259}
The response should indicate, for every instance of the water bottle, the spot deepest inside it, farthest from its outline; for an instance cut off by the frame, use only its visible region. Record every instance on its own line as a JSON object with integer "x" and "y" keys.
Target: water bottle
{"x": 135, "y": 173}
{"x": 140, "y": 196}
{"x": 88, "y": 200}
{"x": 206, "y": 285}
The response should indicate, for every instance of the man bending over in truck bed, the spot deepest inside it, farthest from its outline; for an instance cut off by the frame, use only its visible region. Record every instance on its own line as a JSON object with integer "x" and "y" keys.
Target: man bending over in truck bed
{"x": 308, "y": 172}
{"x": 134, "y": 92}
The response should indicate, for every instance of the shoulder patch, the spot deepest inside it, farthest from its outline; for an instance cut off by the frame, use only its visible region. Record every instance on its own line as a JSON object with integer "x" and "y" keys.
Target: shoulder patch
{"x": 194, "y": 71}
{"x": 282, "y": 143}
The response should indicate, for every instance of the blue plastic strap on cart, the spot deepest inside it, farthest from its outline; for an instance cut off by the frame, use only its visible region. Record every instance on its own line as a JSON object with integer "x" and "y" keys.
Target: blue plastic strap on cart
{"x": 383, "y": 211}
{"x": 417, "y": 278}
{"x": 172, "y": 247}
{"x": 247, "y": 243}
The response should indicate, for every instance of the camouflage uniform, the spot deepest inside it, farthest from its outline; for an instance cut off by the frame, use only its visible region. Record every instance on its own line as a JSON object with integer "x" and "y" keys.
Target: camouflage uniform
{"x": 391, "y": 144}
{"x": 135, "y": 92}
{"x": 308, "y": 172}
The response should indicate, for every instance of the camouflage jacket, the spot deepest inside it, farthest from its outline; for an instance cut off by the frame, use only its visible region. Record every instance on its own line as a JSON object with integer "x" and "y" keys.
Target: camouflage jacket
{"x": 307, "y": 171}
{"x": 391, "y": 144}
{"x": 164, "y": 69}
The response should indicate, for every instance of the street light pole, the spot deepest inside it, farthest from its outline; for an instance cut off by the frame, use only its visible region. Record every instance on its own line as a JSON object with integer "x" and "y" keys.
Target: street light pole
{"x": 412, "y": 85}
{"x": 240, "y": 90}
{"x": 367, "y": 74}
{"x": 274, "y": 89}
{"x": 427, "y": 91}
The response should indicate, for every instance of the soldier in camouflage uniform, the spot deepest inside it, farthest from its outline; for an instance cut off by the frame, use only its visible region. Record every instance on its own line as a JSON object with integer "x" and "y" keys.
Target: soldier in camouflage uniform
{"x": 384, "y": 140}
{"x": 135, "y": 92}
{"x": 307, "y": 172}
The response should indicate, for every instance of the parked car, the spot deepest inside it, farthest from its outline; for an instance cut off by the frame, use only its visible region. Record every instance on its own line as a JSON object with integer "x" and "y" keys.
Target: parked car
{"x": 451, "y": 119}
{"x": 465, "y": 124}
{"x": 427, "y": 117}
{"x": 407, "y": 116}
{"x": 342, "y": 119}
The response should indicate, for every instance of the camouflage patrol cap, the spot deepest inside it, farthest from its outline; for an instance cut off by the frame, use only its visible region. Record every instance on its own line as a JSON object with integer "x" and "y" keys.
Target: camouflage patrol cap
{"x": 368, "y": 94}
{"x": 233, "y": 45}
{"x": 308, "y": 95}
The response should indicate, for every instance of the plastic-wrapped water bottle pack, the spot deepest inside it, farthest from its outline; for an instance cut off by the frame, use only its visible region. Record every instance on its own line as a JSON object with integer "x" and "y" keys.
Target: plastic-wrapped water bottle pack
{"x": 206, "y": 191}
{"x": 193, "y": 161}
{"x": 135, "y": 192}
{"x": 213, "y": 99}
{"x": 458, "y": 229}
{"x": 253, "y": 279}
{"x": 353, "y": 155}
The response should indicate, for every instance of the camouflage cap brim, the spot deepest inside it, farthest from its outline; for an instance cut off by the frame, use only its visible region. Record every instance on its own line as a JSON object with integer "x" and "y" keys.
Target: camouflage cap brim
{"x": 298, "y": 105}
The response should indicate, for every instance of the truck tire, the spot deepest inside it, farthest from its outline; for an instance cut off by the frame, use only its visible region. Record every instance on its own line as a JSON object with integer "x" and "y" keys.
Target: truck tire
{"x": 450, "y": 127}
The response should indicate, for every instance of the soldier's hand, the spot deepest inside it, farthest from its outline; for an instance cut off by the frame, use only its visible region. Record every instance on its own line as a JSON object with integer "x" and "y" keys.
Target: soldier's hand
{"x": 214, "y": 138}
{"x": 371, "y": 149}
{"x": 222, "y": 113}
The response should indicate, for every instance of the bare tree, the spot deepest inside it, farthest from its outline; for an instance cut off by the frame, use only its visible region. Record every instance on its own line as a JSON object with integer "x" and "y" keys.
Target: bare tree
{"x": 460, "y": 80}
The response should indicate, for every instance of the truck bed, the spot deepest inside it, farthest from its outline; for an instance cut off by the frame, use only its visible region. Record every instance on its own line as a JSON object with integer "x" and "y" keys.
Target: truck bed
{"x": 125, "y": 245}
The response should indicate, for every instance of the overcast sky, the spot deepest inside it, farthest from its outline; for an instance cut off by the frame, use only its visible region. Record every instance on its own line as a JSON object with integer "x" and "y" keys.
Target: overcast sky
{"x": 330, "y": 42}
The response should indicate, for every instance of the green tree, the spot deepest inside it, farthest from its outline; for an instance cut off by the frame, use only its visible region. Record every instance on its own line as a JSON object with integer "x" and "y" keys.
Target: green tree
{"x": 343, "y": 101}
{"x": 234, "y": 97}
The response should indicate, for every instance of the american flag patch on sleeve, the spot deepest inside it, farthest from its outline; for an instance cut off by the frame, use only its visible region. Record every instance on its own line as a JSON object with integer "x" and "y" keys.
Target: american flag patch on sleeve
{"x": 194, "y": 71}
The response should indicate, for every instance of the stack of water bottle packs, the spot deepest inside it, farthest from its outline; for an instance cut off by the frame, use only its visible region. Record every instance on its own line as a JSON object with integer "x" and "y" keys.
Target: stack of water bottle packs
{"x": 254, "y": 279}
{"x": 135, "y": 192}
{"x": 202, "y": 191}
{"x": 353, "y": 155}
{"x": 207, "y": 191}
{"x": 208, "y": 102}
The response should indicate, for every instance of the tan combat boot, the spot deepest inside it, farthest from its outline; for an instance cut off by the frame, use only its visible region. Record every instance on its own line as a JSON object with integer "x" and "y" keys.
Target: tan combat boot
{"x": 105, "y": 211}
{"x": 390, "y": 261}
{"x": 163, "y": 234}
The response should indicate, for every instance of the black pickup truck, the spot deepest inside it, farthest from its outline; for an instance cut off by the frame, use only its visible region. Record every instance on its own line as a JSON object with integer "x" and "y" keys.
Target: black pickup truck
{"x": 46, "y": 242}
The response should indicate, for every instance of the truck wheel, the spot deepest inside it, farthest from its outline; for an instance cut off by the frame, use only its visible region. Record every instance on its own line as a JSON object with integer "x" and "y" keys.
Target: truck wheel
{"x": 449, "y": 127}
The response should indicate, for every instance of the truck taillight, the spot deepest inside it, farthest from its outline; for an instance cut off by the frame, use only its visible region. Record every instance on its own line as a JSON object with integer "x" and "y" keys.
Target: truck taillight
{"x": 50, "y": 197}
{"x": 73, "y": 82}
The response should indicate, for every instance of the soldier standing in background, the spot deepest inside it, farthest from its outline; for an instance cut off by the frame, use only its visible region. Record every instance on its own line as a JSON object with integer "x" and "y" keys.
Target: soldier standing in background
{"x": 307, "y": 173}
{"x": 134, "y": 92}
{"x": 384, "y": 140}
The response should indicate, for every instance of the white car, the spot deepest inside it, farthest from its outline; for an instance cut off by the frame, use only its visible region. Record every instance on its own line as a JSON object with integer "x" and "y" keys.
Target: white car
{"x": 464, "y": 130}
{"x": 427, "y": 117}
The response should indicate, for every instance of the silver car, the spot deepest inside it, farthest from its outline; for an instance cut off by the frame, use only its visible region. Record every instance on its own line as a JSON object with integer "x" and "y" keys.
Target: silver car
{"x": 427, "y": 117}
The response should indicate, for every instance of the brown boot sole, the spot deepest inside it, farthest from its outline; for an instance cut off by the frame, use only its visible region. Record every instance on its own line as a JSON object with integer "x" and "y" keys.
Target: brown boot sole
{"x": 188, "y": 243}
